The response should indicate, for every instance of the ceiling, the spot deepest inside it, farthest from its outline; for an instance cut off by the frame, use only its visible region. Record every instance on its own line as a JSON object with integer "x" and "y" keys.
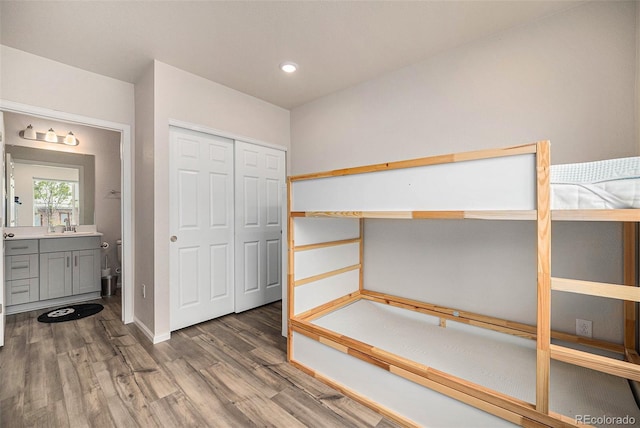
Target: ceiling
{"x": 240, "y": 44}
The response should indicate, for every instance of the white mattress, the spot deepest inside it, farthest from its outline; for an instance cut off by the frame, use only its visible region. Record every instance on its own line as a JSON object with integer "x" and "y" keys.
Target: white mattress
{"x": 498, "y": 361}
{"x": 608, "y": 184}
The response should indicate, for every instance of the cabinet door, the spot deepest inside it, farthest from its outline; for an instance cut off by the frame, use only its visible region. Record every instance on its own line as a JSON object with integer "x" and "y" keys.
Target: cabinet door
{"x": 86, "y": 271}
{"x": 55, "y": 275}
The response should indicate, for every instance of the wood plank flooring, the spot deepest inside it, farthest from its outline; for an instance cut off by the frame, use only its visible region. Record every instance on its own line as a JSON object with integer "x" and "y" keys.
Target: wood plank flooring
{"x": 97, "y": 372}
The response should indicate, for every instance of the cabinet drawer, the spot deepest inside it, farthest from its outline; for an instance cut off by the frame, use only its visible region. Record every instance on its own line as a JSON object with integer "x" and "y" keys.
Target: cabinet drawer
{"x": 69, "y": 244}
{"x": 22, "y": 291}
{"x": 21, "y": 267}
{"x": 20, "y": 246}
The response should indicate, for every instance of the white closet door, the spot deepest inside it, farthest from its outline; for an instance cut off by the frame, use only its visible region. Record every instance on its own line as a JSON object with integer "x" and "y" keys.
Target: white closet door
{"x": 260, "y": 179}
{"x": 201, "y": 223}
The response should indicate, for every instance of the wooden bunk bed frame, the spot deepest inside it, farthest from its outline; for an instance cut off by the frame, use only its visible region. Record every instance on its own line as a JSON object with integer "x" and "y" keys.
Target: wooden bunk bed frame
{"x": 491, "y": 401}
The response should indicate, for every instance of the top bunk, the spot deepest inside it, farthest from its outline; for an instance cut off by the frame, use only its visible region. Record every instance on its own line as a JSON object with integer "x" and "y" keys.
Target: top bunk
{"x": 511, "y": 183}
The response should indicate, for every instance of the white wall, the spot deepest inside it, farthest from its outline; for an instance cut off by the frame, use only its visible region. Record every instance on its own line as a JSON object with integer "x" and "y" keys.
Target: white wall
{"x": 144, "y": 91}
{"x": 183, "y": 96}
{"x": 569, "y": 78}
{"x": 37, "y": 81}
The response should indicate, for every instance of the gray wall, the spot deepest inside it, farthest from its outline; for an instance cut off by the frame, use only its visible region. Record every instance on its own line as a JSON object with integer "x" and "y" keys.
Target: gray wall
{"x": 569, "y": 78}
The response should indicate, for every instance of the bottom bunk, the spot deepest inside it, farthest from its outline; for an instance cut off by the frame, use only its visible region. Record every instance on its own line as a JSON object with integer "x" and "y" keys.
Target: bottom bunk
{"x": 404, "y": 350}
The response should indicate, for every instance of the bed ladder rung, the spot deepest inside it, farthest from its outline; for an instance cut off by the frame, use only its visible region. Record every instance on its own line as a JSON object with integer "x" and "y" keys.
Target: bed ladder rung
{"x": 596, "y": 362}
{"x": 327, "y": 244}
{"x": 601, "y": 289}
{"x": 324, "y": 275}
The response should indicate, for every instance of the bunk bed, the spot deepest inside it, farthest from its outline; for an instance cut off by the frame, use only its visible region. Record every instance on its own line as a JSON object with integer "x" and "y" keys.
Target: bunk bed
{"x": 408, "y": 358}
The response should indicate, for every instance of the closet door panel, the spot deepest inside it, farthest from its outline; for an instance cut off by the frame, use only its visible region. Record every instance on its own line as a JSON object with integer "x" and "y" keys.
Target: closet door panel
{"x": 260, "y": 181}
{"x": 201, "y": 227}
{"x": 274, "y": 249}
{"x": 251, "y": 267}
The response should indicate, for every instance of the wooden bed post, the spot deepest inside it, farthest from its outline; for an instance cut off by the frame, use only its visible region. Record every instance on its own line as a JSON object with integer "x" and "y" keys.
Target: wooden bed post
{"x": 290, "y": 254}
{"x": 630, "y": 232}
{"x": 361, "y": 254}
{"x": 543, "y": 222}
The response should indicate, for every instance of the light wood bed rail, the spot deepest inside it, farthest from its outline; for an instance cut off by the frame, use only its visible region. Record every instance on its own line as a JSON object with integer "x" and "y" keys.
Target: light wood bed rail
{"x": 313, "y": 296}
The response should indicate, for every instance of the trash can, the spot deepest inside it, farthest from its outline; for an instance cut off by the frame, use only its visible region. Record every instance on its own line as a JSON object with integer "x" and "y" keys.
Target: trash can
{"x": 109, "y": 285}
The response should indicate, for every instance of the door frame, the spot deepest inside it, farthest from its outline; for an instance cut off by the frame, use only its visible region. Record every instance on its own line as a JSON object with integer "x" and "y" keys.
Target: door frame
{"x": 127, "y": 195}
{"x": 285, "y": 231}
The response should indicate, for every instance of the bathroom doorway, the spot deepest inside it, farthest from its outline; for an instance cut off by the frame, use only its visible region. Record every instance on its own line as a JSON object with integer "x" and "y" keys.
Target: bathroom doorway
{"x": 108, "y": 208}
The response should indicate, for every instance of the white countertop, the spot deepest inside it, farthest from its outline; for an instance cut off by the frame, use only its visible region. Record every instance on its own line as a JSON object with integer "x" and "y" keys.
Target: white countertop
{"x": 59, "y": 235}
{"x": 41, "y": 233}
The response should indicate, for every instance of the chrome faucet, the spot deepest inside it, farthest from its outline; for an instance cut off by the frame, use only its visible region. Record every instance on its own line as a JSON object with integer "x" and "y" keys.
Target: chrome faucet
{"x": 68, "y": 227}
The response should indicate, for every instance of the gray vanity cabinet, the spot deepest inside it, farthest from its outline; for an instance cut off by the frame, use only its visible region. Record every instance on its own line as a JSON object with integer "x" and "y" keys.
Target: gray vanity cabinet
{"x": 69, "y": 266}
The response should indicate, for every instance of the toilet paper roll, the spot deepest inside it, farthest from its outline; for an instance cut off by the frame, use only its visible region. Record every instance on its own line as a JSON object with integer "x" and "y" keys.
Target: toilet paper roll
{"x": 118, "y": 270}
{"x": 104, "y": 245}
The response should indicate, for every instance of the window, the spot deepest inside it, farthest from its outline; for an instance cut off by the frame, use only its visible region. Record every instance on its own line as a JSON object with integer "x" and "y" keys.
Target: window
{"x": 55, "y": 202}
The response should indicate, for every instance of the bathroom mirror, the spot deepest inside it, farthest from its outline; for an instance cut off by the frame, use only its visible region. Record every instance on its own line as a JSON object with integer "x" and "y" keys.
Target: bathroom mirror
{"x": 48, "y": 187}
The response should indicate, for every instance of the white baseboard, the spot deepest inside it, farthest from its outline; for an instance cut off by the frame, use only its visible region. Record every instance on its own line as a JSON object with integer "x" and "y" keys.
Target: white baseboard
{"x": 145, "y": 330}
{"x": 161, "y": 338}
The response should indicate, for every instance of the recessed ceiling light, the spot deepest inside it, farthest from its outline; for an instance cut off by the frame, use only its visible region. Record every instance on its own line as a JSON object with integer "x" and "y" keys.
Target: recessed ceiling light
{"x": 288, "y": 67}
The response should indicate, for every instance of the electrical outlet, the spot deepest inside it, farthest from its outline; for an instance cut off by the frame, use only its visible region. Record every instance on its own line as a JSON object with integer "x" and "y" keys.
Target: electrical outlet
{"x": 144, "y": 291}
{"x": 583, "y": 328}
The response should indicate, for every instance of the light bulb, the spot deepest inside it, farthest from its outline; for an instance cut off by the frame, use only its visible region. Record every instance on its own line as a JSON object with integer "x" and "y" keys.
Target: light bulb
{"x": 51, "y": 136}
{"x": 288, "y": 67}
{"x": 30, "y": 133}
{"x": 70, "y": 139}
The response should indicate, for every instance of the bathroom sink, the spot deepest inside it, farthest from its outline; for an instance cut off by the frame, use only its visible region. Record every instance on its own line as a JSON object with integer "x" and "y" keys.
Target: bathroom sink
{"x": 40, "y": 232}
{"x": 71, "y": 233}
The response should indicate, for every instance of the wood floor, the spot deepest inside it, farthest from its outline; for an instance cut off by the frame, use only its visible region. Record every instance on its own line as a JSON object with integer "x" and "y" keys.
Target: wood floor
{"x": 98, "y": 372}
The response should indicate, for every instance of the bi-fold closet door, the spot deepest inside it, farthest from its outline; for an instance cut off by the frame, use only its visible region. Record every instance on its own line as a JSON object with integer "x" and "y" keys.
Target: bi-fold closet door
{"x": 226, "y": 202}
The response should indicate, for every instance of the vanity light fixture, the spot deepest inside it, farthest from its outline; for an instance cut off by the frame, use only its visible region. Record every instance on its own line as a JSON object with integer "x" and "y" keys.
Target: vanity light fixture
{"x": 70, "y": 139}
{"x": 29, "y": 133}
{"x": 50, "y": 136}
{"x": 288, "y": 67}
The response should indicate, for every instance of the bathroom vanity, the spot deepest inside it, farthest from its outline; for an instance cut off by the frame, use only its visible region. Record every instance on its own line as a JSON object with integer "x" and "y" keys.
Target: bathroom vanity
{"x": 50, "y": 269}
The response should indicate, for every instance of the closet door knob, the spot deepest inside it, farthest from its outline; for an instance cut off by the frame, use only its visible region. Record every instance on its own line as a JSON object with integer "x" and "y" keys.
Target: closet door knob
{"x": 174, "y": 238}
